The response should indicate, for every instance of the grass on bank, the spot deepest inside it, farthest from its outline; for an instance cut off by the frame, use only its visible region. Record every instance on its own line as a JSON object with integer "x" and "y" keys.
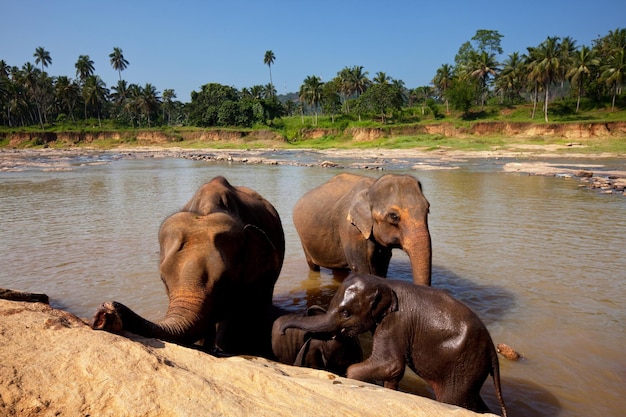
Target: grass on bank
{"x": 332, "y": 131}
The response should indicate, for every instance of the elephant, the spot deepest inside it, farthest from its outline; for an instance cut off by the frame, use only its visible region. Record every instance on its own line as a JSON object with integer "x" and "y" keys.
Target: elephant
{"x": 353, "y": 222}
{"x": 333, "y": 353}
{"x": 220, "y": 257}
{"x": 441, "y": 339}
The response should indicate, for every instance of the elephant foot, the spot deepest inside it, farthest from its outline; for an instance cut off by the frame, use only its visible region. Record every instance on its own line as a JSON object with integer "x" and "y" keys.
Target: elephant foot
{"x": 107, "y": 318}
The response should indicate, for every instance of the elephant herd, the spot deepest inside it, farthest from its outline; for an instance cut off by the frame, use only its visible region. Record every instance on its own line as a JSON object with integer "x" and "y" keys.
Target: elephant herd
{"x": 222, "y": 253}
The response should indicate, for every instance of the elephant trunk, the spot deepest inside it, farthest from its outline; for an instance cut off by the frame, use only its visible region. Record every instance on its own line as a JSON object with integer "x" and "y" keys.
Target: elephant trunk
{"x": 315, "y": 324}
{"x": 418, "y": 246}
{"x": 181, "y": 324}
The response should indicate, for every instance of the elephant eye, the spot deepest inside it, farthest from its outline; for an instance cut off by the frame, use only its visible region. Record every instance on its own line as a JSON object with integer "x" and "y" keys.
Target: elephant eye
{"x": 393, "y": 217}
{"x": 346, "y": 314}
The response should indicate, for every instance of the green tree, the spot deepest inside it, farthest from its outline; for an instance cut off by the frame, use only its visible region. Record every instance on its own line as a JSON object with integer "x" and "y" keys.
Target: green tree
{"x": 84, "y": 68}
{"x": 95, "y": 95}
{"x": 168, "y": 105}
{"x": 584, "y": 62}
{"x": 488, "y": 41}
{"x": 311, "y": 94}
{"x": 613, "y": 74}
{"x": 549, "y": 67}
{"x": 442, "y": 82}
{"x": 67, "y": 93}
{"x": 42, "y": 57}
{"x": 462, "y": 94}
{"x": 383, "y": 99}
{"x": 381, "y": 78}
{"x": 118, "y": 62}
{"x": 482, "y": 66}
{"x": 511, "y": 79}
{"x": 268, "y": 60}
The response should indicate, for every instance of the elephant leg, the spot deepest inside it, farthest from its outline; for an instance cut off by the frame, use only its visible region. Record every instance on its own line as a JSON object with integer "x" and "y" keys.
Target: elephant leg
{"x": 451, "y": 394}
{"x": 386, "y": 363}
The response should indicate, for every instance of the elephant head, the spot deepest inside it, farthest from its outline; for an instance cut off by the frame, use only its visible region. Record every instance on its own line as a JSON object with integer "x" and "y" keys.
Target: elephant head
{"x": 357, "y": 307}
{"x": 394, "y": 213}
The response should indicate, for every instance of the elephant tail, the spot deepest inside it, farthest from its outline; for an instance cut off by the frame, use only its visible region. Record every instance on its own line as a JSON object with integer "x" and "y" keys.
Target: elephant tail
{"x": 495, "y": 374}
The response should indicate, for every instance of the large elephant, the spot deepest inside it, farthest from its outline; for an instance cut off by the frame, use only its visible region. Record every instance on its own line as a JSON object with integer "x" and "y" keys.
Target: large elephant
{"x": 353, "y": 222}
{"x": 327, "y": 351}
{"x": 441, "y": 339}
{"x": 219, "y": 260}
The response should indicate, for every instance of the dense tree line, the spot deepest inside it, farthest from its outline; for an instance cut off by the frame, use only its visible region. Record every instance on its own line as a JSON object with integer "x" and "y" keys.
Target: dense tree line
{"x": 556, "y": 67}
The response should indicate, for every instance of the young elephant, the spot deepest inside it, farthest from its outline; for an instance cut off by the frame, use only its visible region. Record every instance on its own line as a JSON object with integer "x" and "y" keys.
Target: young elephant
{"x": 437, "y": 336}
{"x": 297, "y": 347}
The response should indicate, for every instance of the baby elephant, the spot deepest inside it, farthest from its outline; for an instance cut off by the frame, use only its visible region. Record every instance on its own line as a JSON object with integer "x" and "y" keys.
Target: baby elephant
{"x": 314, "y": 350}
{"x": 437, "y": 336}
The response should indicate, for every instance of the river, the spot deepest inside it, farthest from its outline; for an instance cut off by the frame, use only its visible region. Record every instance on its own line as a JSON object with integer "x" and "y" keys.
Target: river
{"x": 541, "y": 260}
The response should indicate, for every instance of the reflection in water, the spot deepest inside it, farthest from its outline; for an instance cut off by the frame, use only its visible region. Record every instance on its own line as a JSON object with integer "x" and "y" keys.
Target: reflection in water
{"x": 539, "y": 260}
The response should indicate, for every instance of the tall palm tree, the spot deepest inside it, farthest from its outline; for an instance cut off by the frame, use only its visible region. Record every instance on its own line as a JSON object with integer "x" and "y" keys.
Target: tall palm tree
{"x": 42, "y": 57}
{"x": 511, "y": 78}
{"x": 95, "y": 94}
{"x": 118, "y": 62}
{"x": 443, "y": 81}
{"x": 613, "y": 73}
{"x": 584, "y": 60}
{"x": 311, "y": 93}
{"x": 168, "y": 96}
{"x": 483, "y": 65}
{"x": 148, "y": 102}
{"x": 84, "y": 68}
{"x": 67, "y": 94}
{"x": 549, "y": 67}
{"x": 268, "y": 60}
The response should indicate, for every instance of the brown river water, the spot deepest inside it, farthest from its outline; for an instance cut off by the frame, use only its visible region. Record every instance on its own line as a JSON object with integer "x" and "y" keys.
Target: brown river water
{"x": 540, "y": 260}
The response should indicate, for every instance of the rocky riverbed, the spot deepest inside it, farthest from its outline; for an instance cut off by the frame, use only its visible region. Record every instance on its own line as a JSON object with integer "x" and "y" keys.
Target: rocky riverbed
{"x": 529, "y": 159}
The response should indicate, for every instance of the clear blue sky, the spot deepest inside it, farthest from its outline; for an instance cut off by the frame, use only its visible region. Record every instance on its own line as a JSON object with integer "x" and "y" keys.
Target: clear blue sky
{"x": 183, "y": 45}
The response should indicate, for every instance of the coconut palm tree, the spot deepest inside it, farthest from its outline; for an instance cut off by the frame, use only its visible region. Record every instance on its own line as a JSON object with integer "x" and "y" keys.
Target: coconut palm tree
{"x": 42, "y": 57}
{"x": 613, "y": 73}
{"x": 84, "y": 68}
{"x": 95, "y": 94}
{"x": 381, "y": 78}
{"x": 268, "y": 60}
{"x": 443, "y": 81}
{"x": 483, "y": 65}
{"x": 549, "y": 67}
{"x": 311, "y": 93}
{"x": 511, "y": 78}
{"x": 584, "y": 60}
{"x": 118, "y": 62}
{"x": 67, "y": 94}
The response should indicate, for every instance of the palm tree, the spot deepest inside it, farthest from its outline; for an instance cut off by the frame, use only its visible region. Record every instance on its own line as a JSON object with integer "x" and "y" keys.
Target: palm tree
{"x": 511, "y": 79}
{"x": 168, "y": 96}
{"x": 443, "y": 81}
{"x": 381, "y": 78}
{"x": 549, "y": 67}
{"x": 95, "y": 94}
{"x": 148, "y": 101}
{"x": 483, "y": 65}
{"x": 268, "y": 60}
{"x": 583, "y": 62}
{"x": 67, "y": 93}
{"x": 613, "y": 73}
{"x": 84, "y": 68}
{"x": 311, "y": 93}
{"x": 117, "y": 61}
{"x": 42, "y": 57}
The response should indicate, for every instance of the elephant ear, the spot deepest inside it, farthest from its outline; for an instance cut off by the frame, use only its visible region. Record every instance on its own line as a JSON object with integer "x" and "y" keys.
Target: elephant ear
{"x": 262, "y": 242}
{"x": 384, "y": 300}
{"x": 315, "y": 310}
{"x": 360, "y": 214}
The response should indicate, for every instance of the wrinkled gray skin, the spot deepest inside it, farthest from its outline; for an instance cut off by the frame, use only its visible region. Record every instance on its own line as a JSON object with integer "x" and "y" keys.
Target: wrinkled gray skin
{"x": 326, "y": 351}
{"x": 219, "y": 260}
{"x": 437, "y": 336}
{"x": 353, "y": 222}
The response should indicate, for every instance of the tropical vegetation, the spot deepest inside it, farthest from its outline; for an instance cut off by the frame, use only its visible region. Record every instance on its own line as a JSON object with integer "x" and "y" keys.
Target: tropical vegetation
{"x": 552, "y": 78}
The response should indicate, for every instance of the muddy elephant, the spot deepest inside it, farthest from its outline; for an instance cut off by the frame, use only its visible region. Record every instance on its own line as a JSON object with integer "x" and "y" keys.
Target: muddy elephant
{"x": 220, "y": 257}
{"x": 437, "y": 336}
{"x": 327, "y": 351}
{"x": 353, "y": 222}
